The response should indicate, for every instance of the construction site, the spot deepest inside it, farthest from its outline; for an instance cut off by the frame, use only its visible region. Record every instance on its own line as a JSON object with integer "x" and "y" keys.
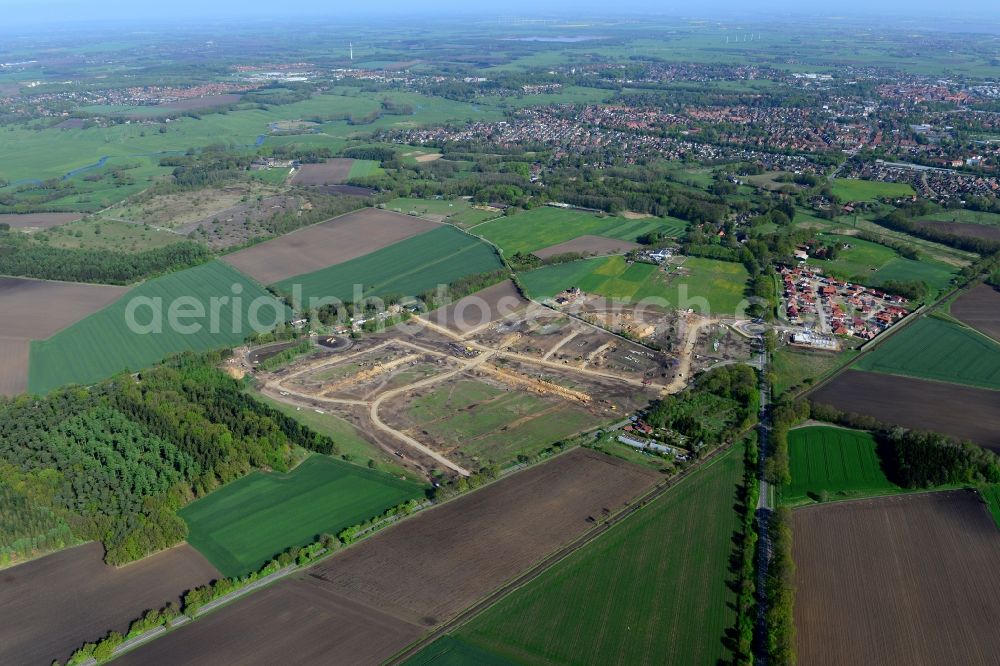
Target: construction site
{"x": 444, "y": 399}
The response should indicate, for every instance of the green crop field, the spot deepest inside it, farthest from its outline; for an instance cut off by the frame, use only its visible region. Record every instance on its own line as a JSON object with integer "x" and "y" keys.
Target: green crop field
{"x": 655, "y": 589}
{"x": 541, "y": 227}
{"x": 939, "y": 350}
{"x": 408, "y": 268}
{"x": 851, "y": 189}
{"x": 103, "y": 344}
{"x": 837, "y": 461}
{"x": 247, "y": 522}
{"x": 453, "y": 651}
{"x": 720, "y": 284}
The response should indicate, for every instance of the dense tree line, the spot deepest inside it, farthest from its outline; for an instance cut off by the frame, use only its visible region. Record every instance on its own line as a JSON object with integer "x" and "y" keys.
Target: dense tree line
{"x": 924, "y": 460}
{"x": 116, "y": 462}
{"x": 780, "y": 591}
{"x": 210, "y": 166}
{"x": 902, "y": 219}
{"x": 746, "y": 607}
{"x": 461, "y": 288}
{"x": 370, "y": 153}
{"x": 21, "y": 256}
{"x": 784, "y": 415}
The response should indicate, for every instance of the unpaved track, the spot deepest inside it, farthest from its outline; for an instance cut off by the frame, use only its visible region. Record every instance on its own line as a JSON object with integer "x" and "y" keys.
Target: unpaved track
{"x": 559, "y": 345}
{"x": 276, "y": 387}
{"x": 691, "y": 330}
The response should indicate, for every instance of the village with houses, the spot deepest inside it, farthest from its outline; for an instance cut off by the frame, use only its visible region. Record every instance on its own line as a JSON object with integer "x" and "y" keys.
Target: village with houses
{"x": 825, "y": 306}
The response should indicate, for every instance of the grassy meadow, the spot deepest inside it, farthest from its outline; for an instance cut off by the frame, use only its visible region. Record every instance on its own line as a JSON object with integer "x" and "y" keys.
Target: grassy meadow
{"x": 852, "y": 189}
{"x": 703, "y": 284}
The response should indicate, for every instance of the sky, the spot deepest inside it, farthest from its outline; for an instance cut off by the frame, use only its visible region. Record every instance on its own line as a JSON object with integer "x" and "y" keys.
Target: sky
{"x": 140, "y": 11}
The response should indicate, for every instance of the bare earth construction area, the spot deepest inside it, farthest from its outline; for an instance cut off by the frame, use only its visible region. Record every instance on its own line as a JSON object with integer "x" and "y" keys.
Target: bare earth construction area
{"x": 452, "y": 402}
{"x": 369, "y": 602}
{"x": 326, "y": 244}
{"x": 909, "y": 579}
{"x": 53, "y": 604}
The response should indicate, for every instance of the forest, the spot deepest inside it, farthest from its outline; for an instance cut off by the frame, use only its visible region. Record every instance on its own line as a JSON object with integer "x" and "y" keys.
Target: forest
{"x": 21, "y": 256}
{"x": 114, "y": 463}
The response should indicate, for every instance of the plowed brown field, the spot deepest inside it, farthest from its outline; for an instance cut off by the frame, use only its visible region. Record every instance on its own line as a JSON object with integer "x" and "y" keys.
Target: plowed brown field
{"x": 367, "y": 603}
{"x": 51, "y": 606}
{"x": 980, "y": 309}
{"x": 325, "y": 244}
{"x": 964, "y": 412}
{"x": 909, "y": 579}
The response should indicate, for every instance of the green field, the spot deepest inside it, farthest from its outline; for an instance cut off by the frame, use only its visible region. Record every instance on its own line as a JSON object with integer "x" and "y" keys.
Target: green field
{"x": 485, "y": 424}
{"x": 457, "y": 211}
{"x": 49, "y": 153}
{"x": 655, "y": 589}
{"x": 873, "y": 264}
{"x": 939, "y": 350}
{"x": 791, "y": 367}
{"x": 245, "y": 523}
{"x": 364, "y": 169}
{"x": 453, "y": 651}
{"x": 991, "y": 493}
{"x": 541, "y": 227}
{"x": 852, "y": 189}
{"x": 833, "y": 461}
{"x": 706, "y": 284}
{"x": 407, "y": 268}
{"x": 271, "y": 176}
{"x": 103, "y": 344}
{"x": 966, "y": 216}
